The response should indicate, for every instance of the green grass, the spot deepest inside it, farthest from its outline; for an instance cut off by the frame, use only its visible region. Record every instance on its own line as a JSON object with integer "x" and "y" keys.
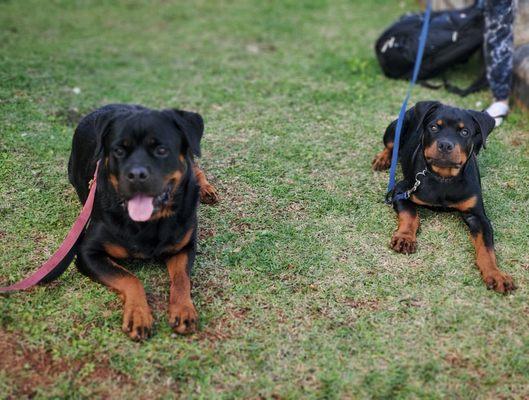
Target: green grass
{"x": 298, "y": 293}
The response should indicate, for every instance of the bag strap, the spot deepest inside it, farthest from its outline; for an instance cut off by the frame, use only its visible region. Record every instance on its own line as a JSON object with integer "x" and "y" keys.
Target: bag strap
{"x": 430, "y": 85}
{"x": 479, "y": 84}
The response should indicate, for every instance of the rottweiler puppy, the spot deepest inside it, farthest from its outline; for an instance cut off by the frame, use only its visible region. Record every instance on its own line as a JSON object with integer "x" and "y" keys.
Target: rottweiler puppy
{"x": 437, "y": 153}
{"x": 148, "y": 189}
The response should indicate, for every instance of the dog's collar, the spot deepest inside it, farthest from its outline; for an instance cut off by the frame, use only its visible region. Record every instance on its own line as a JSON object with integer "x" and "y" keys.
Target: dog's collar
{"x": 426, "y": 172}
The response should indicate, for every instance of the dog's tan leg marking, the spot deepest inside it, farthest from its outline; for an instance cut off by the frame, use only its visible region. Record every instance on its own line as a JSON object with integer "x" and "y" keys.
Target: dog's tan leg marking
{"x": 404, "y": 239}
{"x": 137, "y": 317}
{"x": 493, "y": 277}
{"x": 208, "y": 193}
{"x": 382, "y": 160}
{"x": 182, "y": 314}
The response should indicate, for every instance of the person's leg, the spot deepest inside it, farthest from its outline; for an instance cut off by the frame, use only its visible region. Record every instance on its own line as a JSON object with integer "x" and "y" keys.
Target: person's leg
{"x": 499, "y": 49}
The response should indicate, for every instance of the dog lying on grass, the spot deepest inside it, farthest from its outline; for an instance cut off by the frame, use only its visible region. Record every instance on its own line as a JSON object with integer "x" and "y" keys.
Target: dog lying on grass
{"x": 438, "y": 148}
{"x": 145, "y": 205}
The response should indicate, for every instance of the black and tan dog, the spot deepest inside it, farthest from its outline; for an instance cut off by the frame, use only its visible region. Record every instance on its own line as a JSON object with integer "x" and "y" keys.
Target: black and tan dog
{"x": 438, "y": 149}
{"x": 148, "y": 188}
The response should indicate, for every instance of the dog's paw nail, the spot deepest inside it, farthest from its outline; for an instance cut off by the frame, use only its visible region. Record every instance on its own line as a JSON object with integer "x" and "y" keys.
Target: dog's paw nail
{"x": 137, "y": 321}
{"x": 209, "y": 195}
{"x": 183, "y": 318}
{"x": 403, "y": 244}
{"x": 501, "y": 283}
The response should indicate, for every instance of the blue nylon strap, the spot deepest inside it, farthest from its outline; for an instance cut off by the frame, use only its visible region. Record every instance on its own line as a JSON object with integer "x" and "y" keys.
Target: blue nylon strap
{"x": 401, "y": 196}
{"x": 400, "y": 121}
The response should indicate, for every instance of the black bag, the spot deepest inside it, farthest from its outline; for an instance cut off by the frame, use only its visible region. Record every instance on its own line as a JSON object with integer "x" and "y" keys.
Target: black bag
{"x": 454, "y": 36}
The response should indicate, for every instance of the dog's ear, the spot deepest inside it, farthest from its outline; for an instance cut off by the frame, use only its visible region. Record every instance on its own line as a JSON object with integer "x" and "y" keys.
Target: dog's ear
{"x": 103, "y": 126}
{"x": 484, "y": 126}
{"x": 192, "y": 125}
{"x": 421, "y": 111}
{"x": 413, "y": 118}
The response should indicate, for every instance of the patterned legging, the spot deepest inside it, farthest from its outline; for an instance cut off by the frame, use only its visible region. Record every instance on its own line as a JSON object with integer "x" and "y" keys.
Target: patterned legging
{"x": 498, "y": 46}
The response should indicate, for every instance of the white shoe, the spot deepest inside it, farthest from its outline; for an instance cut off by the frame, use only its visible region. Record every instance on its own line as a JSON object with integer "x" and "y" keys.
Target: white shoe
{"x": 498, "y": 110}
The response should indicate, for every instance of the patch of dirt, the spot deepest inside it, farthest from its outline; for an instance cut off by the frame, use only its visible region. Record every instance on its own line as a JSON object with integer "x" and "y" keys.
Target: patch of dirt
{"x": 411, "y": 302}
{"x": 519, "y": 138}
{"x": 158, "y": 303}
{"x": 224, "y": 327}
{"x": 372, "y": 305}
{"x": 456, "y": 360}
{"x": 32, "y": 369}
{"x": 70, "y": 116}
{"x": 240, "y": 227}
{"x": 204, "y": 233}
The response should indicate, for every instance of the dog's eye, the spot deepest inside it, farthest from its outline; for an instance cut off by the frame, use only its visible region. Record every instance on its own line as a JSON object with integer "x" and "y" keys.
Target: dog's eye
{"x": 161, "y": 151}
{"x": 434, "y": 128}
{"x": 119, "y": 152}
{"x": 464, "y": 132}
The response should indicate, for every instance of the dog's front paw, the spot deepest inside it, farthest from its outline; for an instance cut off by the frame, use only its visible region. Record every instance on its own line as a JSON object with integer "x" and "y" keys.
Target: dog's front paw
{"x": 208, "y": 194}
{"x": 183, "y": 318}
{"x": 499, "y": 281}
{"x": 137, "y": 321}
{"x": 403, "y": 243}
{"x": 382, "y": 160}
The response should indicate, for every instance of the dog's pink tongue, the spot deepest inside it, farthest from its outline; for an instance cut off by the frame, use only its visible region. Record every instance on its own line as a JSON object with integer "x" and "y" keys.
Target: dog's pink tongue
{"x": 140, "y": 207}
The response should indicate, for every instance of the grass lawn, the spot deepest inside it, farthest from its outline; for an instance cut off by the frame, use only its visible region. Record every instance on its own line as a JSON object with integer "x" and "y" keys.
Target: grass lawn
{"x": 298, "y": 292}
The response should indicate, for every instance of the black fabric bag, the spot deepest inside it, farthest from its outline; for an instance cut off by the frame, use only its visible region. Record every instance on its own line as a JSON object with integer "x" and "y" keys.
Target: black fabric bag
{"x": 454, "y": 36}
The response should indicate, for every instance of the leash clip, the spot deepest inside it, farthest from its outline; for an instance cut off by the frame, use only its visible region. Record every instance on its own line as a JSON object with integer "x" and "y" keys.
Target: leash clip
{"x": 392, "y": 197}
{"x": 417, "y": 182}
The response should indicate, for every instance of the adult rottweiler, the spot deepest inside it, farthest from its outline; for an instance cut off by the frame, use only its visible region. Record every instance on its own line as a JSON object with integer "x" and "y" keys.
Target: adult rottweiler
{"x": 437, "y": 153}
{"x": 148, "y": 189}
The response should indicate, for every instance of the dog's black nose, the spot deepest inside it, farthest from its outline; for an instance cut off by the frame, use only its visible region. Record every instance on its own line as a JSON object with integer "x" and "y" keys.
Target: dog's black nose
{"x": 445, "y": 146}
{"x": 138, "y": 174}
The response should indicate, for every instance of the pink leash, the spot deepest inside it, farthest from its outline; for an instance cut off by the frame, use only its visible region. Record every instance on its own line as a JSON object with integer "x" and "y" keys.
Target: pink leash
{"x": 66, "y": 246}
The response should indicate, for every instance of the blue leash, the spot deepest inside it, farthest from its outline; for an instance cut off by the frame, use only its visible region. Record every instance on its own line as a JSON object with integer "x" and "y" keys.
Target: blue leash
{"x": 396, "y": 143}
